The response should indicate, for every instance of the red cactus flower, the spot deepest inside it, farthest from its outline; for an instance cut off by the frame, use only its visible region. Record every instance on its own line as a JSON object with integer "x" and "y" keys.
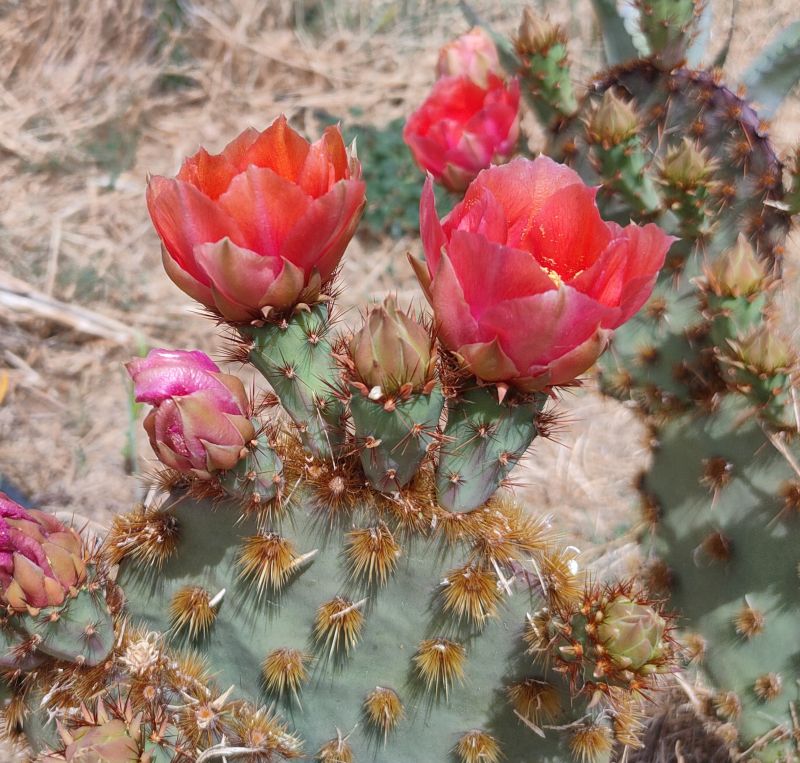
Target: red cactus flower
{"x": 473, "y": 55}
{"x": 462, "y": 128}
{"x": 41, "y": 560}
{"x": 199, "y": 423}
{"x": 526, "y": 279}
{"x": 262, "y": 225}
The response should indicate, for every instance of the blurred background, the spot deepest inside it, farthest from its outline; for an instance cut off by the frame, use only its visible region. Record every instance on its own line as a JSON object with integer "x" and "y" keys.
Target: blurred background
{"x": 96, "y": 94}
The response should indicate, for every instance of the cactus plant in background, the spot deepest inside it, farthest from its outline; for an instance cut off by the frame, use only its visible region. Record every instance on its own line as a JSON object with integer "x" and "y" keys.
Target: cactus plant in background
{"x": 704, "y": 362}
{"x": 315, "y": 588}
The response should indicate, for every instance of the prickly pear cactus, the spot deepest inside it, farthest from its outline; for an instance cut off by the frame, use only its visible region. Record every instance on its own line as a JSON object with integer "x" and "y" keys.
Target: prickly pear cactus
{"x": 704, "y": 362}
{"x": 346, "y": 578}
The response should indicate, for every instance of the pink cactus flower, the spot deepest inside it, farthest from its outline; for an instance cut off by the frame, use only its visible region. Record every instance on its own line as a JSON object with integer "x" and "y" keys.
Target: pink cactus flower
{"x": 473, "y": 55}
{"x": 261, "y": 226}
{"x": 462, "y": 128}
{"x": 200, "y": 418}
{"x": 41, "y": 560}
{"x": 526, "y": 280}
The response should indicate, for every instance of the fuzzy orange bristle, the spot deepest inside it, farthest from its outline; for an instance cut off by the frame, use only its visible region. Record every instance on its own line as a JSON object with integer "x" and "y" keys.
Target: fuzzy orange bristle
{"x": 508, "y": 534}
{"x": 749, "y": 622}
{"x": 268, "y": 559}
{"x": 790, "y": 492}
{"x": 591, "y": 742}
{"x": 539, "y": 633}
{"x": 717, "y": 546}
{"x": 647, "y": 355}
{"x": 335, "y": 493}
{"x": 628, "y": 718}
{"x": 372, "y": 552}
{"x": 695, "y": 647}
{"x": 383, "y": 709}
{"x": 190, "y": 671}
{"x": 147, "y": 535}
{"x": 456, "y": 527}
{"x": 768, "y": 687}
{"x": 728, "y": 705}
{"x": 717, "y": 473}
{"x": 536, "y": 701}
{"x": 657, "y": 576}
{"x": 285, "y": 669}
{"x": 336, "y": 750}
{"x": 339, "y": 622}
{"x": 264, "y": 730}
{"x": 620, "y": 382}
{"x": 191, "y": 609}
{"x": 477, "y": 746}
{"x": 557, "y": 573}
{"x": 471, "y": 591}
{"x": 439, "y": 662}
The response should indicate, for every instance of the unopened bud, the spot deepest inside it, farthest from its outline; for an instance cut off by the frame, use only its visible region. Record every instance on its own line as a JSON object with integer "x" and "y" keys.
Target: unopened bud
{"x": 632, "y": 634}
{"x": 736, "y": 272}
{"x": 391, "y": 350}
{"x": 613, "y": 121}
{"x": 686, "y": 166}
{"x": 536, "y": 34}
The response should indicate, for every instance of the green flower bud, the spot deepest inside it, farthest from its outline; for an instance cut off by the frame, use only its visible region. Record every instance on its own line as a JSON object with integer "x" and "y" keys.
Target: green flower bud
{"x": 536, "y": 34}
{"x": 391, "y": 351}
{"x": 613, "y": 121}
{"x": 632, "y": 634}
{"x": 765, "y": 351}
{"x": 686, "y": 166}
{"x": 736, "y": 272}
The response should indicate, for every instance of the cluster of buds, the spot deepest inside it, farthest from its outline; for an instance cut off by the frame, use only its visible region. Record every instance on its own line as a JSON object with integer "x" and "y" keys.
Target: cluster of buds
{"x": 470, "y": 118}
{"x": 42, "y": 562}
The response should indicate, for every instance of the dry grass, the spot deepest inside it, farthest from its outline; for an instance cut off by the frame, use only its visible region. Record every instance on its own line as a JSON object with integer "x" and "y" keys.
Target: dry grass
{"x": 94, "y": 94}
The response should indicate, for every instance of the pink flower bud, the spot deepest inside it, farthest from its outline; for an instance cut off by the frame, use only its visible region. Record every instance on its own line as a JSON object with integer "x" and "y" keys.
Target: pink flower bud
{"x": 200, "y": 420}
{"x": 462, "y": 128}
{"x": 473, "y": 55}
{"x": 41, "y": 560}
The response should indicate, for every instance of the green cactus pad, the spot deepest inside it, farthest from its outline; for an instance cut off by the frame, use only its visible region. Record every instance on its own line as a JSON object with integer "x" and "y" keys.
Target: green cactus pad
{"x": 295, "y": 358}
{"x": 397, "y": 618}
{"x": 730, "y": 546}
{"x": 80, "y": 630}
{"x": 393, "y": 443}
{"x": 483, "y": 440}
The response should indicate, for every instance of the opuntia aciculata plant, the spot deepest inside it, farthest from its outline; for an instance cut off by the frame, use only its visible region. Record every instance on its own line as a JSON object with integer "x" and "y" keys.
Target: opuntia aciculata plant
{"x": 335, "y": 567}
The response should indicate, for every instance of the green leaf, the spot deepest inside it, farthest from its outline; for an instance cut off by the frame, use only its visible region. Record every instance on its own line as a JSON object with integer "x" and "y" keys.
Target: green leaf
{"x": 618, "y": 44}
{"x": 775, "y": 72}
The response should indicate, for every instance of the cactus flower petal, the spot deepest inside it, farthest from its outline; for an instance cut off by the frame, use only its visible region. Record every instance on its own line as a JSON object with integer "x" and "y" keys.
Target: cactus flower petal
{"x": 230, "y": 223}
{"x": 526, "y": 279}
